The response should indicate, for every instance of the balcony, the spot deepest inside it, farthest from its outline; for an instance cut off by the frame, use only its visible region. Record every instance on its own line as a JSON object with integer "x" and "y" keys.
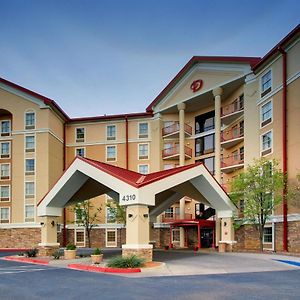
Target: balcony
{"x": 167, "y": 218}
{"x": 231, "y": 163}
{"x": 232, "y": 111}
{"x": 173, "y": 130}
{"x": 232, "y": 137}
{"x": 173, "y": 152}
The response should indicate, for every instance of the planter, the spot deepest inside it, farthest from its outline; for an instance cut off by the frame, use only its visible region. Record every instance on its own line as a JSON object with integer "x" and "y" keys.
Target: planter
{"x": 97, "y": 259}
{"x": 70, "y": 254}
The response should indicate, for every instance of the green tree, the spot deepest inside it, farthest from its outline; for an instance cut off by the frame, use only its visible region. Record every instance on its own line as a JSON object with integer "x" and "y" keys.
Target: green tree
{"x": 260, "y": 188}
{"x": 117, "y": 212}
{"x": 87, "y": 216}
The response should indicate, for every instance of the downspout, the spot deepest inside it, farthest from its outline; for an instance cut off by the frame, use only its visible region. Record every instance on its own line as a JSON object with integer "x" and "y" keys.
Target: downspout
{"x": 127, "y": 143}
{"x": 284, "y": 146}
{"x": 64, "y": 210}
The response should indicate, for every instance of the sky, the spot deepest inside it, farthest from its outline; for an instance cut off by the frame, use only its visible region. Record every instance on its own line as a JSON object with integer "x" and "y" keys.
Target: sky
{"x": 96, "y": 57}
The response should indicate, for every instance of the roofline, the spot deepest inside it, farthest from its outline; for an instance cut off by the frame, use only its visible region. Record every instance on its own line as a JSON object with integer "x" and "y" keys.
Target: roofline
{"x": 195, "y": 59}
{"x": 277, "y": 47}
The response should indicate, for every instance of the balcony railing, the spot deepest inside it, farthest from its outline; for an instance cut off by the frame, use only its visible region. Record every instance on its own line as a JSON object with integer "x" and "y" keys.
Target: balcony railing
{"x": 232, "y": 133}
{"x": 232, "y": 108}
{"x": 174, "y": 151}
{"x": 232, "y": 160}
{"x": 174, "y": 217}
{"x": 174, "y": 128}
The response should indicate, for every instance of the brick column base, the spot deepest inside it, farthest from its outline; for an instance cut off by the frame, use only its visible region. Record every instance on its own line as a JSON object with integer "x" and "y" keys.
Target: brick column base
{"x": 47, "y": 250}
{"x": 146, "y": 253}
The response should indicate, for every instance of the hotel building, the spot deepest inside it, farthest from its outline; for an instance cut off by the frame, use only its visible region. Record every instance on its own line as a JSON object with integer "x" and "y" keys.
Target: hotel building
{"x": 222, "y": 111}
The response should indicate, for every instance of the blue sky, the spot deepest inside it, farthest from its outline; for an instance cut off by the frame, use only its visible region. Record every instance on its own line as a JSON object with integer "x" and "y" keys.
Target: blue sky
{"x": 108, "y": 57}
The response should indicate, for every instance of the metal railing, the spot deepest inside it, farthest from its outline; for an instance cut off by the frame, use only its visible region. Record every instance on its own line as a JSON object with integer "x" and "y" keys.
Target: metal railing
{"x": 175, "y": 128}
{"x": 174, "y": 217}
{"x": 232, "y": 108}
{"x": 232, "y": 133}
{"x": 172, "y": 151}
{"x": 232, "y": 160}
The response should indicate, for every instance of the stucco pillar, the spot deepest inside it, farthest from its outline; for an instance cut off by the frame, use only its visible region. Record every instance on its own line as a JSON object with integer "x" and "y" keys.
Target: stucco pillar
{"x": 181, "y": 107}
{"x": 217, "y": 94}
{"x": 49, "y": 242}
{"x": 227, "y": 233}
{"x": 137, "y": 232}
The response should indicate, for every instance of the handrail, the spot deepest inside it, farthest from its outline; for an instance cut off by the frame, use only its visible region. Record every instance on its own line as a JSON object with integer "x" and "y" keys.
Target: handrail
{"x": 232, "y": 133}
{"x": 175, "y": 128}
{"x": 232, "y": 160}
{"x": 232, "y": 108}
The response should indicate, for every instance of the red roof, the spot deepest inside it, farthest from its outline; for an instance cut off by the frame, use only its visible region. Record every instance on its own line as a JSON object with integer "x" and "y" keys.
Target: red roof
{"x": 196, "y": 59}
{"x": 133, "y": 178}
{"x": 276, "y": 48}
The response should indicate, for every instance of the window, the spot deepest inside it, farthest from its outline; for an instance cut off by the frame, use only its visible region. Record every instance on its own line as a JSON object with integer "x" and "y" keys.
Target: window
{"x": 5, "y": 150}
{"x": 4, "y": 215}
{"x": 143, "y": 130}
{"x": 29, "y": 189}
{"x": 205, "y": 145}
{"x": 30, "y": 120}
{"x": 169, "y": 212}
{"x": 4, "y": 171}
{"x": 79, "y": 237}
{"x": 111, "y": 132}
{"x": 266, "y": 140}
{"x": 5, "y": 128}
{"x": 80, "y": 152}
{"x": 111, "y": 153}
{"x": 266, "y": 114}
{"x": 80, "y": 134}
{"x": 266, "y": 83}
{"x": 4, "y": 193}
{"x": 143, "y": 151}
{"x": 175, "y": 235}
{"x": 29, "y": 213}
{"x": 29, "y": 166}
{"x": 205, "y": 122}
{"x": 242, "y": 205}
{"x": 268, "y": 235}
{"x": 30, "y": 143}
{"x": 110, "y": 211}
{"x": 210, "y": 164}
{"x": 111, "y": 238}
{"x": 143, "y": 169}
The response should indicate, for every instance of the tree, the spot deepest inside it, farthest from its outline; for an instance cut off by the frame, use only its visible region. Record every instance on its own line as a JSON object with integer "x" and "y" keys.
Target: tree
{"x": 87, "y": 216}
{"x": 260, "y": 188}
{"x": 117, "y": 212}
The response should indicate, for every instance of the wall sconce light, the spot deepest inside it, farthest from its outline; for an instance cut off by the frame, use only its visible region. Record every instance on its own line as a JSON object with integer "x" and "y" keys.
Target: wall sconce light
{"x": 52, "y": 223}
{"x": 130, "y": 215}
{"x": 145, "y": 215}
{"x": 42, "y": 223}
{"x": 225, "y": 224}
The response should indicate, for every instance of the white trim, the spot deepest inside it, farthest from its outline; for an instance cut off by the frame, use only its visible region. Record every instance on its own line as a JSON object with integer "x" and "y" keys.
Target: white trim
{"x": 79, "y": 229}
{"x": 138, "y": 168}
{"x": 84, "y": 134}
{"x": 116, "y": 153}
{"x": 9, "y": 171}
{"x": 30, "y": 196}
{"x": 261, "y": 142}
{"x": 34, "y": 213}
{"x": 25, "y": 171}
{"x": 148, "y": 150}
{"x": 111, "y": 244}
{"x": 137, "y": 246}
{"x": 20, "y": 225}
{"x": 148, "y": 131}
{"x": 29, "y": 111}
{"x": 9, "y": 154}
{"x": 30, "y": 135}
{"x": 9, "y": 193}
{"x": 113, "y": 138}
{"x": 260, "y": 82}
{"x": 260, "y": 112}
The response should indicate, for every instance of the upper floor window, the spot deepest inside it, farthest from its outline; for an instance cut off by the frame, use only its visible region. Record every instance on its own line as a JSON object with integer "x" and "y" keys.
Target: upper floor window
{"x": 143, "y": 151}
{"x": 5, "y": 150}
{"x": 205, "y": 122}
{"x": 29, "y": 143}
{"x": 111, "y": 132}
{"x": 266, "y": 143}
{"x": 111, "y": 153}
{"x": 266, "y": 83}
{"x": 80, "y": 134}
{"x": 4, "y": 215}
{"x": 29, "y": 213}
{"x": 29, "y": 166}
{"x": 80, "y": 152}
{"x": 4, "y": 193}
{"x": 210, "y": 164}
{"x": 266, "y": 113}
{"x": 30, "y": 120}
{"x": 144, "y": 169}
{"x": 205, "y": 145}
{"x": 143, "y": 130}
{"x": 29, "y": 189}
{"x": 5, "y": 128}
{"x": 4, "y": 171}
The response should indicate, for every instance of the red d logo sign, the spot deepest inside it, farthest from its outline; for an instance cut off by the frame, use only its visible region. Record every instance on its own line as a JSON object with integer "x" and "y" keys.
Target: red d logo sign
{"x": 196, "y": 85}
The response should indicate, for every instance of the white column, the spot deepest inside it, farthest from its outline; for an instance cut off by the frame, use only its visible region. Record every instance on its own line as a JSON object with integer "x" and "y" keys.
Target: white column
{"x": 181, "y": 107}
{"x": 217, "y": 94}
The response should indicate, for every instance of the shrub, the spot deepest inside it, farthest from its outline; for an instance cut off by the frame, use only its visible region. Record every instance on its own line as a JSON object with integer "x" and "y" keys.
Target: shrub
{"x": 57, "y": 254}
{"x": 126, "y": 262}
{"x": 97, "y": 251}
{"x": 71, "y": 247}
{"x": 32, "y": 252}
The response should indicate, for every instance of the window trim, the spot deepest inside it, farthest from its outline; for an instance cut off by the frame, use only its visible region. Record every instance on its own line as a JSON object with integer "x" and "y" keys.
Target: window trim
{"x": 9, "y": 154}
{"x": 268, "y": 243}
{"x": 9, "y": 193}
{"x": 5, "y": 207}
{"x": 84, "y": 151}
{"x": 30, "y": 127}
{"x": 116, "y": 153}
{"x": 143, "y": 136}
{"x": 9, "y": 173}
{"x": 84, "y": 135}
{"x": 267, "y": 91}
{"x": 261, "y": 116}
{"x": 116, "y": 237}
{"x": 4, "y": 134}
{"x": 113, "y": 138}
{"x": 30, "y": 172}
{"x": 29, "y": 149}
{"x": 138, "y": 154}
{"x": 269, "y": 150}
{"x": 81, "y": 229}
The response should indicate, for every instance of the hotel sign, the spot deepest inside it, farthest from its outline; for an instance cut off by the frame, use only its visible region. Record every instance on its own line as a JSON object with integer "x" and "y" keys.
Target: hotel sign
{"x": 196, "y": 85}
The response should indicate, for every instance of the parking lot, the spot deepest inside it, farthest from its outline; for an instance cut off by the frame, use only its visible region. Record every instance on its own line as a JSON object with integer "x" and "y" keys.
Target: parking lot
{"x": 274, "y": 280}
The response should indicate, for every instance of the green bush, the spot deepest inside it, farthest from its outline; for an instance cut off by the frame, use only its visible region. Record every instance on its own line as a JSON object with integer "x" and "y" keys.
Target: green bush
{"x": 97, "y": 251}
{"x": 32, "y": 253}
{"x": 57, "y": 254}
{"x": 71, "y": 247}
{"x": 126, "y": 262}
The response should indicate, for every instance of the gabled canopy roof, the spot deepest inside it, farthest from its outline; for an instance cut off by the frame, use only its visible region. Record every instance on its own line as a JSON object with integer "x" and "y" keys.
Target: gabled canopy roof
{"x": 86, "y": 178}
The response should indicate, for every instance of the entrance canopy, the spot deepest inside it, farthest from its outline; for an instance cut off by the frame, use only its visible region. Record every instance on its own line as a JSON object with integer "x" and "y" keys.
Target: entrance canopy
{"x": 86, "y": 178}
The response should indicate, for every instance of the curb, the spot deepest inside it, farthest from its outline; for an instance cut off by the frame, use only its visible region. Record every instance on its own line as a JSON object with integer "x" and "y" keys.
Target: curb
{"x": 13, "y": 249}
{"x": 102, "y": 269}
{"x": 27, "y": 260}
